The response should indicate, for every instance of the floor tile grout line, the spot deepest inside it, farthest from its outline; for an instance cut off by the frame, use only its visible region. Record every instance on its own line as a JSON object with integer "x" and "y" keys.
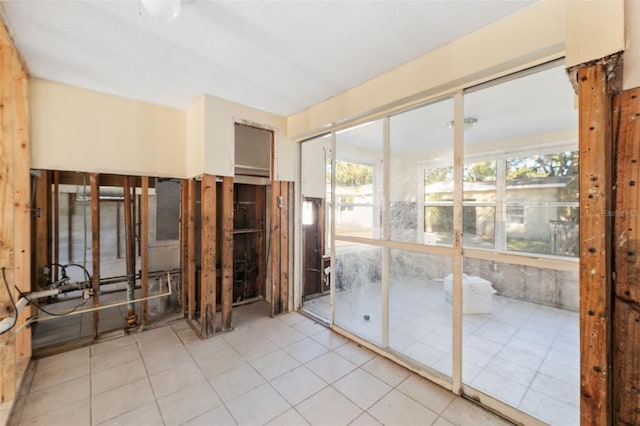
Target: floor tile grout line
{"x": 148, "y": 377}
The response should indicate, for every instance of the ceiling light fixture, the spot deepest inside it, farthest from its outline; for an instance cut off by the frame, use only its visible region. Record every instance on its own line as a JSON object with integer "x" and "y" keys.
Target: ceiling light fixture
{"x": 166, "y": 10}
{"x": 469, "y": 122}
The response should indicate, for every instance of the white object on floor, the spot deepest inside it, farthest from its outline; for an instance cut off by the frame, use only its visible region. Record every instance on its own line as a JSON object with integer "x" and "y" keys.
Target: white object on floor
{"x": 477, "y": 294}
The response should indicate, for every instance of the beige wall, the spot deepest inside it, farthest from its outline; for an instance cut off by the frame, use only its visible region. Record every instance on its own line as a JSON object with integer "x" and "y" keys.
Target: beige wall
{"x": 195, "y": 138}
{"x": 220, "y": 117}
{"x": 82, "y": 130}
{"x": 631, "y": 75}
{"x": 595, "y": 29}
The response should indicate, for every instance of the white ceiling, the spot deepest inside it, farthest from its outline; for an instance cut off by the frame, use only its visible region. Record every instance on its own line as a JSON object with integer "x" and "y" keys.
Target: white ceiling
{"x": 278, "y": 56}
{"x": 525, "y": 109}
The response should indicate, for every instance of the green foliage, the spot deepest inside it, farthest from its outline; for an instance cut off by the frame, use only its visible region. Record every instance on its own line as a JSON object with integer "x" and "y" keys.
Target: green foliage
{"x": 353, "y": 174}
{"x": 537, "y": 166}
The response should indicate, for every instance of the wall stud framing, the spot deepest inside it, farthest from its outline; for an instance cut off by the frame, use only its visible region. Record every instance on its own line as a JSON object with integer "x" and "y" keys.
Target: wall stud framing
{"x": 626, "y": 304}
{"x": 595, "y": 251}
{"x": 130, "y": 246}
{"x": 94, "y": 182}
{"x": 227, "y": 252}
{"x": 144, "y": 252}
{"x": 208, "y": 256}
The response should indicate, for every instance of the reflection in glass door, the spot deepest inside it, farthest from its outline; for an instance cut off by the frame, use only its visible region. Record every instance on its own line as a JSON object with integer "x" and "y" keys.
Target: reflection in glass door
{"x": 315, "y": 193}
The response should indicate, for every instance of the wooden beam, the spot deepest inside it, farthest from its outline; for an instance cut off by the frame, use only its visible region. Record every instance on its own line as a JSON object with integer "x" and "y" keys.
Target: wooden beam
{"x": 208, "y": 255}
{"x": 595, "y": 244}
{"x": 274, "y": 261}
{"x": 76, "y": 178}
{"x": 130, "y": 246}
{"x": 626, "y": 319}
{"x": 191, "y": 249}
{"x": 144, "y": 250}
{"x": 56, "y": 224}
{"x": 227, "y": 252}
{"x": 41, "y": 221}
{"x": 7, "y": 231}
{"x": 261, "y": 275}
{"x": 284, "y": 247}
{"x": 94, "y": 182}
{"x": 22, "y": 214}
{"x": 184, "y": 244}
{"x": 71, "y": 207}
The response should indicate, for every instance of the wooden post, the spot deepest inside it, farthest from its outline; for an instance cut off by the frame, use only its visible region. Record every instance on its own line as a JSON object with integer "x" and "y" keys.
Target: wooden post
{"x": 626, "y": 329}
{"x": 41, "y": 221}
{"x": 184, "y": 244}
{"x": 284, "y": 247}
{"x": 274, "y": 261}
{"x": 260, "y": 223}
{"x": 56, "y": 224}
{"x": 7, "y": 232}
{"x": 130, "y": 246}
{"x": 94, "y": 182}
{"x": 191, "y": 249}
{"x": 208, "y": 256}
{"x": 22, "y": 213}
{"x": 595, "y": 244}
{"x": 144, "y": 251}
{"x": 227, "y": 252}
{"x": 71, "y": 200}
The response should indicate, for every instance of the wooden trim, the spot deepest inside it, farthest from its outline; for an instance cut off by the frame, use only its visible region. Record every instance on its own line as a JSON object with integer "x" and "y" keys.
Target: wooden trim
{"x": 595, "y": 244}
{"x": 191, "y": 247}
{"x": 94, "y": 182}
{"x": 144, "y": 252}
{"x": 227, "y": 252}
{"x": 71, "y": 208}
{"x": 208, "y": 256}
{"x": 626, "y": 319}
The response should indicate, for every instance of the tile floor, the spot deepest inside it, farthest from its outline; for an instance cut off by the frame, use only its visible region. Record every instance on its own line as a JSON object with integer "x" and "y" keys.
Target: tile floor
{"x": 524, "y": 354}
{"x": 286, "y": 370}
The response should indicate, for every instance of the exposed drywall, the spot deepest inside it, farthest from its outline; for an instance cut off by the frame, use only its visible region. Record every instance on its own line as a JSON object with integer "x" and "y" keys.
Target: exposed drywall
{"x": 631, "y": 74}
{"x": 595, "y": 29}
{"x": 83, "y": 130}
{"x": 534, "y": 33}
{"x": 220, "y": 117}
{"x": 195, "y": 138}
{"x": 313, "y": 167}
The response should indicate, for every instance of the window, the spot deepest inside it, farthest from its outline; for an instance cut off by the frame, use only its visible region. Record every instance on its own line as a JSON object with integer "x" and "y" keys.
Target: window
{"x": 515, "y": 215}
{"x": 355, "y": 198}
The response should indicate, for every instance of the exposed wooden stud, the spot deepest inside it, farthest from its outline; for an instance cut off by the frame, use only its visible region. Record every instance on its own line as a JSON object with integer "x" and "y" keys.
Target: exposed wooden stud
{"x": 130, "y": 247}
{"x": 191, "y": 249}
{"x": 56, "y": 225}
{"x": 284, "y": 247}
{"x": 260, "y": 252}
{"x": 7, "y": 231}
{"x": 626, "y": 319}
{"x": 71, "y": 201}
{"x": 41, "y": 222}
{"x": 208, "y": 255}
{"x": 595, "y": 244}
{"x": 144, "y": 250}
{"x": 184, "y": 244}
{"x": 22, "y": 214}
{"x": 227, "y": 252}
{"x": 274, "y": 261}
{"x": 94, "y": 182}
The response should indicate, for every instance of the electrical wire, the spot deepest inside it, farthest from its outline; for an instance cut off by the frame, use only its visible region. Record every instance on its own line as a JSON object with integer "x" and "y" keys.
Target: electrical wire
{"x": 13, "y": 302}
{"x": 40, "y": 308}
